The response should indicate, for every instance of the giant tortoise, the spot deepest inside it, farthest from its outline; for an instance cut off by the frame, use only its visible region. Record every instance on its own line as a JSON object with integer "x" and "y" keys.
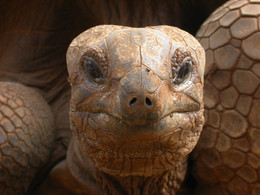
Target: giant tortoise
{"x": 135, "y": 110}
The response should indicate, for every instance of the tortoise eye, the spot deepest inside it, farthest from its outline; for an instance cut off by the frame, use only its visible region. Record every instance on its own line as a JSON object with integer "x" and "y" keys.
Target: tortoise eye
{"x": 181, "y": 73}
{"x": 184, "y": 70}
{"x": 92, "y": 69}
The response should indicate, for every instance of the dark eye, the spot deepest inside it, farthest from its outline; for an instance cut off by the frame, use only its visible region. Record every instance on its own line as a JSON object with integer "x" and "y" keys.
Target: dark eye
{"x": 92, "y": 69}
{"x": 181, "y": 73}
{"x": 184, "y": 70}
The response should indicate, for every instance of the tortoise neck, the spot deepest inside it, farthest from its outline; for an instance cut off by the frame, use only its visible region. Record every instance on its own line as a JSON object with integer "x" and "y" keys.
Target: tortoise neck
{"x": 84, "y": 171}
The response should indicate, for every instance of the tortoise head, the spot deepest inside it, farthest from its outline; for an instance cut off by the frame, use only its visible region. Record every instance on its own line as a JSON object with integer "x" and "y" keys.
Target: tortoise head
{"x": 136, "y": 97}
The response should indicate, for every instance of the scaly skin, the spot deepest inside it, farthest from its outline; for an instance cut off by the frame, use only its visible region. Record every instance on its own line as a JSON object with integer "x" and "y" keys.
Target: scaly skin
{"x": 137, "y": 126}
{"x": 26, "y": 136}
{"x": 227, "y": 157}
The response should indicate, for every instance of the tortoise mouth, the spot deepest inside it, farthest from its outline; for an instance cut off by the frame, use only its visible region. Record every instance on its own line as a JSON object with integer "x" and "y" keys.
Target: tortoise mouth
{"x": 147, "y": 124}
{"x": 109, "y": 124}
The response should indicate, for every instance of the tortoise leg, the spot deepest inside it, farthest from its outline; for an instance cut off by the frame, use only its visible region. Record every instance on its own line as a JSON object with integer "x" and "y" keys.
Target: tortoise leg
{"x": 227, "y": 157}
{"x": 26, "y": 136}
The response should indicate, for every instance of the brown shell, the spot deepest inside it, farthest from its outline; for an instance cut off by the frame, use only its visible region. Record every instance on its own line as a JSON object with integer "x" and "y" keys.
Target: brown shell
{"x": 228, "y": 153}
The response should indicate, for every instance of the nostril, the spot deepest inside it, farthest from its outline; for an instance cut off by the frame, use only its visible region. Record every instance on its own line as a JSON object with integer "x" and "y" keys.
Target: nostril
{"x": 132, "y": 102}
{"x": 148, "y": 102}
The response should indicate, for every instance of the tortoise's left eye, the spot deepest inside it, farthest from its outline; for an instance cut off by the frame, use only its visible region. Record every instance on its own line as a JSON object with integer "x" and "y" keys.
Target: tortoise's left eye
{"x": 92, "y": 69}
{"x": 184, "y": 70}
{"x": 181, "y": 73}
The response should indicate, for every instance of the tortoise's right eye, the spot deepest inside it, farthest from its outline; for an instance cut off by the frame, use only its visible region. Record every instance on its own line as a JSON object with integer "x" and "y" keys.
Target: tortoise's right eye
{"x": 92, "y": 69}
